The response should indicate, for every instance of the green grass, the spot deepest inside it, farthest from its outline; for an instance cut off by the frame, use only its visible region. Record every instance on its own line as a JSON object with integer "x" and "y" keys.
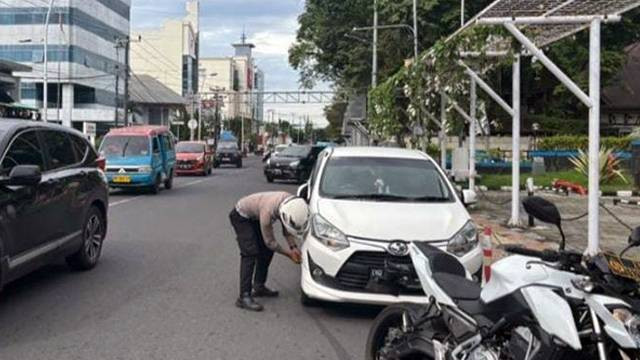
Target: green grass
{"x": 494, "y": 182}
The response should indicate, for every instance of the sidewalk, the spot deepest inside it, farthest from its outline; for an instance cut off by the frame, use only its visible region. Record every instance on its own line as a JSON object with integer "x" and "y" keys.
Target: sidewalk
{"x": 613, "y": 235}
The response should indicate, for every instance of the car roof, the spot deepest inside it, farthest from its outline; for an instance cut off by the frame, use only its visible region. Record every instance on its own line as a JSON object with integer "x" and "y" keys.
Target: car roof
{"x": 13, "y": 125}
{"x": 193, "y": 142}
{"x": 384, "y": 152}
{"x": 143, "y": 130}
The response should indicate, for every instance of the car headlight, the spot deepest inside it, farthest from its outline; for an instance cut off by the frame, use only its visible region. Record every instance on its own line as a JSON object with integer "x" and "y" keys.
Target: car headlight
{"x": 631, "y": 322}
{"x": 328, "y": 234}
{"x": 294, "y": 164}
{"x": 145, "y": 169}
{"x": 268, "y": 162}
{"x": 464, "y": 241}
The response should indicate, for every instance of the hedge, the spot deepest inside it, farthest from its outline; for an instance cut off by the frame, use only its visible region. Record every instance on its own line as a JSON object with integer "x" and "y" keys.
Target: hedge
{"x": 580, "y": 142}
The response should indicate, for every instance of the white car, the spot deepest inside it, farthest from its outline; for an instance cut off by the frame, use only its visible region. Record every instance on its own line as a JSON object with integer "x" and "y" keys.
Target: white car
{"x": 367, "y": 204}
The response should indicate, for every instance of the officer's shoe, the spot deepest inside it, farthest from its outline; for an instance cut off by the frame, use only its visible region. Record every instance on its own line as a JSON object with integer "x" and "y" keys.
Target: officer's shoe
{"x": 245, "y": 301}
{"x": 263, "y": 291}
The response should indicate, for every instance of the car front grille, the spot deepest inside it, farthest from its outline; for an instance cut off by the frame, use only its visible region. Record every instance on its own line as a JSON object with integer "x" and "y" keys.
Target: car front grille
{"x": 117, "y": 170}
{"x": 355, "y": 274}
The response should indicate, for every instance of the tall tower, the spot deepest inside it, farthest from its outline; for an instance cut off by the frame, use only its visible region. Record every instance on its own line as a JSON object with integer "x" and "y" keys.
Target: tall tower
{"x": 243, "y": 48}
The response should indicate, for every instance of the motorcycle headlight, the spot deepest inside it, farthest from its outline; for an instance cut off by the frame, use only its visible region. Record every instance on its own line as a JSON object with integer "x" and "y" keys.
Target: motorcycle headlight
{"x": 294, "y": 164}
{"x": 328, "y": 234}
{"x": 144, "y": 169}
{"x": 631, "y": 322}
{"x": 464, "y": 241}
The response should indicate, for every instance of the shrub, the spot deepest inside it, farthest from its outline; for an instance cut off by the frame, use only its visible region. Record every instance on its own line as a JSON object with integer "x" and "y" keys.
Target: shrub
{"x": 580, "y": 142}
{"x": 609, "y": 166}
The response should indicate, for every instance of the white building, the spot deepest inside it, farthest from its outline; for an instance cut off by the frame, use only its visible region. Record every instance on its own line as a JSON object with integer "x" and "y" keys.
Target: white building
{"x": 239, "y": 80}
{"x": 83, "y": 60}
{"x": 170, "y": 52}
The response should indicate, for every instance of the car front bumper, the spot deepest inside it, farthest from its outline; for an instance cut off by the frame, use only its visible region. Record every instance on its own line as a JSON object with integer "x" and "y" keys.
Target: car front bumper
{"x": 334, "y": 264}
{"x": 135, "y": 180}
{"x": 282, "y": 173}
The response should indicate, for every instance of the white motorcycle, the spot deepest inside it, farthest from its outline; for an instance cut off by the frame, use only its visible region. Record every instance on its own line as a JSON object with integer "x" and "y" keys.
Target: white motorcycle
{"x": 538, "y": 305}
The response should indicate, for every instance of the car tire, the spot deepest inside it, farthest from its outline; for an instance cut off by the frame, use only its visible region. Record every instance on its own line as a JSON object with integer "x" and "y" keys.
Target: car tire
{"x": 209, "y": 170}
{"x": 155, "y": 188}
{"x": 239, "y": 164}
{"x": 216, "y": 165}
{"x": 269, "y": 179}
{"x": 168, "y": 182}
{"x": 93, "y": 233}
{"x": 306, "y": 301}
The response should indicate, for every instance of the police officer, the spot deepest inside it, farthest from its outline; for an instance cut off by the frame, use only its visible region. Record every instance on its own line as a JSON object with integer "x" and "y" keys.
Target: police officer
{"x": 253, "y": 219}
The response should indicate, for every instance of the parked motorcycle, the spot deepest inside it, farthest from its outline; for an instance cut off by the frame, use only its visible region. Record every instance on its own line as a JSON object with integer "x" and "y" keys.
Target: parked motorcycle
{"x": 538, "y": 305}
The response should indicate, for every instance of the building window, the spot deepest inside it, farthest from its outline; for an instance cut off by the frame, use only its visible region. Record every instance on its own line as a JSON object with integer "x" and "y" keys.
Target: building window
{"x": 83, "y": 95}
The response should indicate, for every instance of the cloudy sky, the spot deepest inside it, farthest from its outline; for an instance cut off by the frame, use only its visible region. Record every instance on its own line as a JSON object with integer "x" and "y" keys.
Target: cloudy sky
{"x": 270, "y": 24}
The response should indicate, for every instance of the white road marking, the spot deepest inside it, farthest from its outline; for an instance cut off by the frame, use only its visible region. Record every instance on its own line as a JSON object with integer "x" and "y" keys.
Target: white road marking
{"x": 124, "y": 201}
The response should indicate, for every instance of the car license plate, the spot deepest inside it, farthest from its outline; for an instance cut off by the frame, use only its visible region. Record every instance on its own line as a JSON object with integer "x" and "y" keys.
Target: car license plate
{"x": 625, "y": 268}
{"x": 185, "y": 166}
{"x": 121, "y": 179}
{"x": 277, "y": 172}
{"x": 226, "y": 159}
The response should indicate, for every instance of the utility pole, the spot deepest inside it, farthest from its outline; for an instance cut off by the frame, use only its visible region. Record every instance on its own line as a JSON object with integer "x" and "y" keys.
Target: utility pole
{"x": 45, "y": 79}
{"x": 415, "y": 31}
{"x": 115, "y": 117}
{"x": 127, "y": 47}
{"x": 374, "y": 66}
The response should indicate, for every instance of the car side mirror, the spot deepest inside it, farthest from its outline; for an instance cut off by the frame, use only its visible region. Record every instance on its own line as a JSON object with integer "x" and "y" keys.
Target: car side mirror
{"x": 24, "y": 175}
{"x": 303, "y": 191}
{"x": 469, "y": 197}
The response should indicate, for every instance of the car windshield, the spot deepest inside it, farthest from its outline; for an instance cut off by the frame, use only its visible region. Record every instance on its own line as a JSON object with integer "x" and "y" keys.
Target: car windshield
{"x": 227, "y": 146}
{"x": 295, "y": 151}
{"x": 191, "y": 148}
{"x": 384, "y": 179}
{"x": 121, "y": 145}
{"x": 279, "y": 148}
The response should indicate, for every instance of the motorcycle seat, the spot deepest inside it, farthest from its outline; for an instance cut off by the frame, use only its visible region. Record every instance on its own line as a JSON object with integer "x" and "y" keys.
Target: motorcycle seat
{"x": 458, "y": 287}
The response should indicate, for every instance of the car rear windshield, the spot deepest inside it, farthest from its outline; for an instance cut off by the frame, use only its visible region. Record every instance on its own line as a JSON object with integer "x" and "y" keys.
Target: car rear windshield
{"x": 295, "y": 151}
{"x": 384, "y": 179}
{"x": 227, "y": 146}
{"x": 190, "y": 148}
{"x": 122, "y": 145}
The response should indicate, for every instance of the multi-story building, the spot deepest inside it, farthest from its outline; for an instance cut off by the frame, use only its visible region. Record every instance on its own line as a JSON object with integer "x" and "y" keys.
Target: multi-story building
{"x": 170, "y": 53}
{"x": 239, "y": 79}
{"x": 82, "y": 58}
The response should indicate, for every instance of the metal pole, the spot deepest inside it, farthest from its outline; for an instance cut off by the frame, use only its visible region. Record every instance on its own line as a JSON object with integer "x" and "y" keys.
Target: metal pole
{"x": 192, "y": 134}
{"x": 472, "y": 136}
{"x": 45, "y": 80}
{"x": 443, "y": 131}
{"x": 462, "y": 13}
{"x": 199, "y": 117}
{"x": 415, "y": 30}
{"x": 515, "y": 162}
{"x": 374, "y": 66}
{"x": 125, "y": 106}
{"x": 594, "y": 139}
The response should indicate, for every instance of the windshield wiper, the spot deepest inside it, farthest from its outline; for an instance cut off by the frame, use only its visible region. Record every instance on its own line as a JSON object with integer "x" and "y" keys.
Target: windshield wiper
{"x": 391, "y": 197}
{"x": 384, "y": 197}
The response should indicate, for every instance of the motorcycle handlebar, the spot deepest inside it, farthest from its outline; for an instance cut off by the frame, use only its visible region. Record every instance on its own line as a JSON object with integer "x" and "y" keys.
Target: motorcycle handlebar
{"x": 546, "y": 255}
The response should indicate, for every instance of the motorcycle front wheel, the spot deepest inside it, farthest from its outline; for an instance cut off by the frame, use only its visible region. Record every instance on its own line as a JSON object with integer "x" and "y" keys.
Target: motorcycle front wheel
{"x": 386, "y": 333}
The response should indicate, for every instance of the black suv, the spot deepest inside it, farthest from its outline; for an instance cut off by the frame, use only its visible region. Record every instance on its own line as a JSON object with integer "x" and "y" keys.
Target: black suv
{"x": 293, "y": 163}
{"x": 53, "y": 198}
{"x": 227, "y": 152}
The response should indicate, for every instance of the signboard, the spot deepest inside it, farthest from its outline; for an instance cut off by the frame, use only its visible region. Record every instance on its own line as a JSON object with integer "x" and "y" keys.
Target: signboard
{"x": 177, "y": 123}
{"x": 621, "y": 119}
{"x": 89, "y": 128}
{"x": 193, "y": 124}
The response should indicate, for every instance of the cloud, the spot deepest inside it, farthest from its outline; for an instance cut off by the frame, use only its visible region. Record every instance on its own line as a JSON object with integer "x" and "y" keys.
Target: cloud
{"x": 270, "y": 24}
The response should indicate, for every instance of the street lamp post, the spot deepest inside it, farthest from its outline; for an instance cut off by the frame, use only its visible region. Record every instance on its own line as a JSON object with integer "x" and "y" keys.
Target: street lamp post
{"x": 374, "y": 66}
{"x": 45, "y": 77}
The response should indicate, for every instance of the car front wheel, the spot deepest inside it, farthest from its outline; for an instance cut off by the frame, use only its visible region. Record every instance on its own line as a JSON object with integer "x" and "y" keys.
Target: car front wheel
{"x": 168, "y": 182}
{"x": 93, "y": 233}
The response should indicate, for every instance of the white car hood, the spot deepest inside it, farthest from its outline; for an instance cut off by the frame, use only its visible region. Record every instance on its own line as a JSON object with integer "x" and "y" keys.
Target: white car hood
{"x": 395, "y": 221}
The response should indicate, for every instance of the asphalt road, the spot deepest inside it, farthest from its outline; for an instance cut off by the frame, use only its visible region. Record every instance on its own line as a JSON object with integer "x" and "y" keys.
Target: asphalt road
{"x": 165, "y": 289}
